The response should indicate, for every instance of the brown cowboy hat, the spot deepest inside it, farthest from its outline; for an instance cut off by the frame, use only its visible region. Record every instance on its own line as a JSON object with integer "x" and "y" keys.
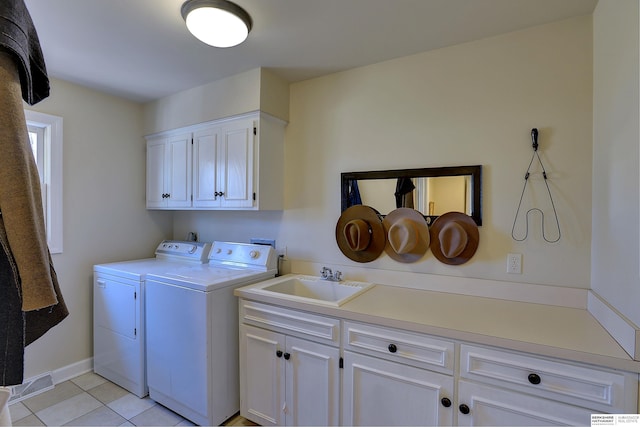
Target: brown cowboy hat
{"x": 454, "y": 238}
{"x": 360, "y": 234}
{"x": 407, "y": 235}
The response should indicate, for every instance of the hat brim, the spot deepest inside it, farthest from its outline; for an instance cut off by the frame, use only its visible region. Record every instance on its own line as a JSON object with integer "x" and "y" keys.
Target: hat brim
{"x": 473, "y": 237}
{"x": 422, "y": 228}
{"x": 377, "y": 238}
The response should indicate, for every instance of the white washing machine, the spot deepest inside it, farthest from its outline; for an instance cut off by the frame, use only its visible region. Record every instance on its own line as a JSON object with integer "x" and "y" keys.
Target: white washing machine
{"x": 192, "y": 331}
{"x": 118, "y": 311}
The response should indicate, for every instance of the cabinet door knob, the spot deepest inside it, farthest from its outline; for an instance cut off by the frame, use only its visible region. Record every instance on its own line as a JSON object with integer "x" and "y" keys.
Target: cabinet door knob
{"x": 392, "y": 348}
{"x": 464, "y": 409}
{"x": 534, "y": 378}
{"x": 446, "y": 402}
{"x": 279, "y": 353}
{"x": 287, "y": 356}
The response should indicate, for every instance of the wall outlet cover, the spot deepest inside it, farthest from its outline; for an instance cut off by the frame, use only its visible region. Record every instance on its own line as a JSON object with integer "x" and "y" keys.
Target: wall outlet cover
{"x": 514, "y": 263}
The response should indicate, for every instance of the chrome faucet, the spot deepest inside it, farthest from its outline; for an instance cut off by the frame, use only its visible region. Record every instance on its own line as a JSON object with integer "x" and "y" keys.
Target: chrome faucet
{"x": 329, "y": 275}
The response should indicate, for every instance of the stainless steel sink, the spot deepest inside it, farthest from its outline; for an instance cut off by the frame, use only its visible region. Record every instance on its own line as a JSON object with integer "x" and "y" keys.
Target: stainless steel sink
{"x": 314, "y": 289}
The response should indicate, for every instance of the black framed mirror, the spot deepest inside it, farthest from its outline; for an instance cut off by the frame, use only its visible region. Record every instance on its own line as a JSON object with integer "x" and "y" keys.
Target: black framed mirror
{"x": 431, "y": 191}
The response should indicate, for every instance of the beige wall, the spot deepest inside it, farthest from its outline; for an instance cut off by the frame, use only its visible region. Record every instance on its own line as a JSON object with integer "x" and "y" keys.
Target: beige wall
{"x": 616, "y": 119}
{"x": 473, "y": 103}
{"x": 253, "y": 90}
{"x": 104, "y": 210}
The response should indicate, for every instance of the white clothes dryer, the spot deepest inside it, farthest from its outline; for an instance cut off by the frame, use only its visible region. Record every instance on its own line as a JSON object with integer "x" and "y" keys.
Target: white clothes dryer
{"x": 119, "y": 306}
{"x": 192, "y": 331}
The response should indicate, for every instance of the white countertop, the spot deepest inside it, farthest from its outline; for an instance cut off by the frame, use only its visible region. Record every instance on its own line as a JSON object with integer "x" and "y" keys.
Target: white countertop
{"x": 560, "y": 332}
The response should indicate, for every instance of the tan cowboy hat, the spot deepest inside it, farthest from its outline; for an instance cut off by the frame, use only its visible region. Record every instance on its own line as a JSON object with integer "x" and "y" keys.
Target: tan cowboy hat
{"x": 407, "y": 235}
{"x": 360, "y": 234}
{"x": 454, "y": 238}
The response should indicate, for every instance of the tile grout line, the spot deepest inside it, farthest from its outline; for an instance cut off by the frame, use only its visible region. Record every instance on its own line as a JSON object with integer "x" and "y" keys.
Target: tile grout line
{"x": 83, "y": 393}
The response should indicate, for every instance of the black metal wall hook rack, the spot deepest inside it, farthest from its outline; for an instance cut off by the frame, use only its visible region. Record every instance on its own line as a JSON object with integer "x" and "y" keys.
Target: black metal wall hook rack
{"x": 534, "y": 145}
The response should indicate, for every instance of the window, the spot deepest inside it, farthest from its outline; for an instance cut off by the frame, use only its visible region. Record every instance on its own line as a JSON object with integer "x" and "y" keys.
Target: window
{"x": 45, "y": 135}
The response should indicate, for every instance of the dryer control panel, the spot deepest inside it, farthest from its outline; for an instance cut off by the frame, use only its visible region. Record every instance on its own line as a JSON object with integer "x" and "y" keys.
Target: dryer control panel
{"x": 194, "y": 251}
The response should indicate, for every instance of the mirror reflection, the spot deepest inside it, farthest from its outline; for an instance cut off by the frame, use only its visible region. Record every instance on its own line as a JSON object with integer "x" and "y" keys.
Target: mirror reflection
{"x": 431, "y": 191}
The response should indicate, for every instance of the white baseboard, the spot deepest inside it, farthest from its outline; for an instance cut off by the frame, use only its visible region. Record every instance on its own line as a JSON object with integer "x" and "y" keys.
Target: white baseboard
{"x": 70, "y": 371}
{"x": 46, "y": 381}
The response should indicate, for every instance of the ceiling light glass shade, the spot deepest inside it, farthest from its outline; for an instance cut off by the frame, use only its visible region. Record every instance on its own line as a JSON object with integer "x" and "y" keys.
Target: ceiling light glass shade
{"x": 218, "y": 23}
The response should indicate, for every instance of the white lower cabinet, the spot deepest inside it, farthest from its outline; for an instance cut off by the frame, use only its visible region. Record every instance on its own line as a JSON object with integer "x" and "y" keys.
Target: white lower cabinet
{"x": 380, "y": 392}
{"x": 290, "y": 376}
{"x": 501, "y": 387}
{"x": 287, "y": 380}
{"x": 485, "y": 405}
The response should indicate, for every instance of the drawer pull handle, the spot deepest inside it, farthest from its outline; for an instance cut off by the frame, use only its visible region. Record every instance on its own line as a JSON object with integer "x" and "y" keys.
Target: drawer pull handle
{"x": 287, "y": 356}
{"x": 464, "y": 409}
{"x": 534, "y": 378}
{"x": 446, "y": 402}
{"x": 279, "y": 353}
{"x": 392, "y": 348}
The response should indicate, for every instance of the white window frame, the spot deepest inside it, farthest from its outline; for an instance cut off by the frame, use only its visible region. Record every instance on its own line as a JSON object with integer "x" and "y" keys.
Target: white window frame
{"x": 51, "y": 176}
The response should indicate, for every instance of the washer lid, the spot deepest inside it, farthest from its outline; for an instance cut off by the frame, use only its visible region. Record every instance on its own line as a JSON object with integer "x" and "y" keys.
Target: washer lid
{"x": 207, "y": 278}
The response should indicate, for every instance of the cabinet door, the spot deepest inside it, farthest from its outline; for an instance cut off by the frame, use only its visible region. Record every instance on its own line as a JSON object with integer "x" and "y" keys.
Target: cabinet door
{"x": 312, "y": 375}
{"x": 156, "y": 174}
{"x": 262, "y": 387}
{"x": 178, "y": 167}
{"x": 488, "y": 405}
{"x": 205, "y": 169}
{"x": 236, "y": 164}
{"x": 380, "y": 392}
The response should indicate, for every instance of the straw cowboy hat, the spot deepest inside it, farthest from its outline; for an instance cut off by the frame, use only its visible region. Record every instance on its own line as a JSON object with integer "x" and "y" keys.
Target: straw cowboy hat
{"x": 454, "y": 238}
{"x": 407, "y": 235}
{"x": 360, "y": 234}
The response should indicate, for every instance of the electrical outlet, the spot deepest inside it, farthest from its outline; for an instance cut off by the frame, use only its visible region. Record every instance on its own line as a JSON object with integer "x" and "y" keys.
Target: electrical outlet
{"x": 283, "y": 251}
{"x": 514, "y": 263}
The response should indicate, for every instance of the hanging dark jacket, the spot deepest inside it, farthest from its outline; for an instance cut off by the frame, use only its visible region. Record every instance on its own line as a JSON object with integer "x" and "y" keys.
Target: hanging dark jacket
{"x": 26, "y": 269}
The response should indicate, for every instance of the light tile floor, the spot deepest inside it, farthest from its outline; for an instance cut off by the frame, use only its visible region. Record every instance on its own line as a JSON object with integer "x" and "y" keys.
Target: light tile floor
{"x": 90, "y": 400}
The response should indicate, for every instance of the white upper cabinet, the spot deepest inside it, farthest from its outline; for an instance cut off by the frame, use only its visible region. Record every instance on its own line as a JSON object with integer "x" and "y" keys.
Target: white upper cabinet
{"x": 223, "y": 160}
{"x": 235, "y": 168}
{"x": 205, "y": 167}
{"x": 169, "y": 171}
{"x": 233, "y": 163}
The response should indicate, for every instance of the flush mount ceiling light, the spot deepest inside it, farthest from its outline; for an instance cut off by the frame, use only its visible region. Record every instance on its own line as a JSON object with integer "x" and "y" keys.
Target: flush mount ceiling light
{"x": 218, "y": 23}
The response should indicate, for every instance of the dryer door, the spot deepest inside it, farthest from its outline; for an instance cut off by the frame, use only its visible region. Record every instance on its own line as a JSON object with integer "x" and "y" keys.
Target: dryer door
{"x": 118, "y": 335}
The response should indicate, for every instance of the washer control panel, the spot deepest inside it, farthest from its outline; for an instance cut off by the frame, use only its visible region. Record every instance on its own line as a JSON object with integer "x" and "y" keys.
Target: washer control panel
{"x": 243, "y": 255}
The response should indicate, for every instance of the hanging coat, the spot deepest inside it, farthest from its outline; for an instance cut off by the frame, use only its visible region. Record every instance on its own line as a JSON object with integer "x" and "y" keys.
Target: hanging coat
{"x": 26, "y": 269}
{"x": 404, "y": 193}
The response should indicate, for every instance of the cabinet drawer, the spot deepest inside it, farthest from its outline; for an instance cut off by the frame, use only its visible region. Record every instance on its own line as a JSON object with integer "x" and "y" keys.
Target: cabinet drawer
{"x": 293, "y": 322}
{"x": 609, "y": 391}
{"x": 401, "y": 346}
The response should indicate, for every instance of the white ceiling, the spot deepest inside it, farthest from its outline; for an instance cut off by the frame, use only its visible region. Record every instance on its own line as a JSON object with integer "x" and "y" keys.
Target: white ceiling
{"x": 141, "y": 49}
